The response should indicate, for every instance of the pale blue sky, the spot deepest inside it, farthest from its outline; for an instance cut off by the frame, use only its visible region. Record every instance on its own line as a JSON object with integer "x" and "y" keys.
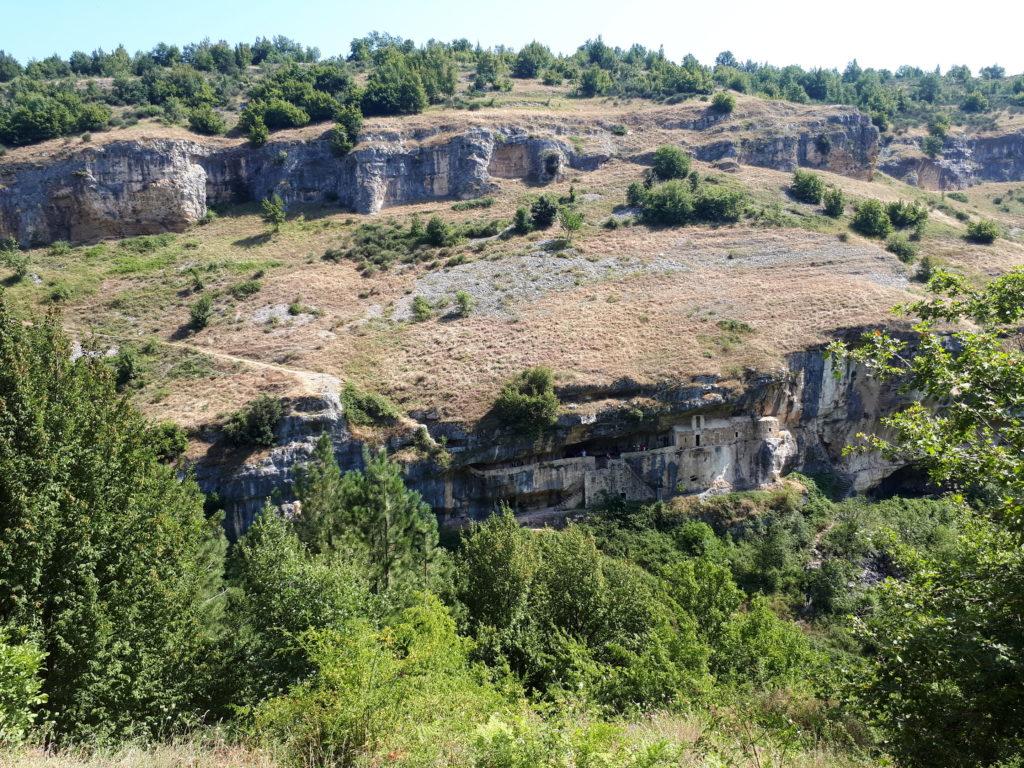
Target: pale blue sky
{"x": 819, "y": 33}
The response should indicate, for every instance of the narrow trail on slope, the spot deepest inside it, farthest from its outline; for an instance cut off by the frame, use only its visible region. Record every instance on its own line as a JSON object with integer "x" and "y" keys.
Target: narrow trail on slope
{"x": 314, "y": 381}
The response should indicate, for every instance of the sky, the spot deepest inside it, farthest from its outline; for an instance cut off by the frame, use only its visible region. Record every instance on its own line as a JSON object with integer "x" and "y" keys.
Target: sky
{"x": 822, "y": 33}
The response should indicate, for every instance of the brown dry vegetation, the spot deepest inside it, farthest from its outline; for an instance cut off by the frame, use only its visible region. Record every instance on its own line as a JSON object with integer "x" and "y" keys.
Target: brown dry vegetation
{"x": 633, "y": 302}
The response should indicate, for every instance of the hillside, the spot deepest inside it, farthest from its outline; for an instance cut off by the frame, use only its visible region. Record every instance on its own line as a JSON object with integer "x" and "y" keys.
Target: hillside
{"x": 487, "y": 408}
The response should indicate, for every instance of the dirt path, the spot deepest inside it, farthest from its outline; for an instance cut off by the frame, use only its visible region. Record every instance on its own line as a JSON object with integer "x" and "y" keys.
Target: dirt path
{"x": 316, "y": 382}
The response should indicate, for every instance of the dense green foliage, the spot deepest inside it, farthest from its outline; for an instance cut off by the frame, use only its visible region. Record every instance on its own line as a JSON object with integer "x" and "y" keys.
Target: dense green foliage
{"x": 983, "y": 231}
{"x": 870, "y": 218}
{"x": 278, "y": 83}
{"x": 254, "y": 425}
{"x": 670, "y": 162}
{"x": 808, "y": 187}
{"x": 944, "y": 681}
{"x": 676, "y": 203}
{"x": 107, "y": 563}
{"x": 528, "y": 402}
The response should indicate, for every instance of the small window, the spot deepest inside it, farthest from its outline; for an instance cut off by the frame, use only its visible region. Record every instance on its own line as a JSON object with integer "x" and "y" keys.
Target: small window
{"x": 696, "y": 440}
{"x": 693, "y": 478}
{"x": 737, "y": 434}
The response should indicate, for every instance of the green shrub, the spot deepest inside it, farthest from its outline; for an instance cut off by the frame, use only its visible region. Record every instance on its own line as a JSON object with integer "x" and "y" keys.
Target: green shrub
{"x": 421, "y": 309}
{"x": 834, "y": 201}
{"x": 206, "y": 120}
{"x": 528, "y": 403}
{"x": 273, "y": 212}
{"x": 127, "y": 366}
{"x": 255, "y": 424}
{"x": 16, "y": 261}
{"x": 543, "y": 212}
{"x": 20, "y": 688}
{"x": 394, "y": 88}
{"x": 975, "y": 101}
{"x": 438, "y": 233}
{"x": 669, "y": 204}
{"x": 871, "y": 219}
{"x": 201, "y": 312}
{"x": 636, "y": 193}
{"x": 807, "y": 187}
{"x": 59, "y": 248}
{"x": 245, "y": 289}
{"x": 902, "y": 248}
{"x": 464, "y": 303}
{"x": 258, "y": 132}
{"x": 960, "y": 197}
{"x": 910, "y": 214}
{"x": 366, "y": 409}
{"x": 718, "y": 204}
{"x": 169, "y": 441}
{"x": 723, "y": 103}
{"x": 932, "y": 146}
{"x": 983, "y": 231}
{"x": 521, "y": 221}
{"x": 570, "y": 220}
{"x": 468, "y": 205}
{"x": 619, "y": 130}
{"x": 670, "y": 162}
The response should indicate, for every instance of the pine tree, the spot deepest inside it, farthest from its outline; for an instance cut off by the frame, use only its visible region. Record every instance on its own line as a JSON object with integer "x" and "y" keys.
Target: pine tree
{"x": 106, "y": 558}
{"x": 371, "y": 510}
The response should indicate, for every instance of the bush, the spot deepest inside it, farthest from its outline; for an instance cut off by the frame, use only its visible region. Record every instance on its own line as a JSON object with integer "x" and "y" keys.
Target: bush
{"x": 902, "y": 248}
{"x": 807, "y": 187}
{"x": 366, "y": 409}
{"x": 245, "y": 289}
{"x": 903, "y": 214}
{"x": 932, "y": 146}
{"x": 521, "y": 221}
{"x": 438, "y": 233}
{"x": 636, "y": 194}
{"x": 464, "y": 303}
{"x": 834, "y": 201}
{"x": 273, "y": 212}
{"x": 20, "y": 688}
{"x": 16, "y": 261}
{"x": 259, "y": 134}
{"x": 394, "y": 88}
{"x": 619, "y": 130}
{"x": 870, "y": 219}
{"x": 255, "y": 424}
{"x": 723, "y": 103}
{"x": 421, "y": 309}
{"x": 468, "y": 205}
{"x": 543, "y": 212}
{"x": 982, "y": 231}
{"x": 670, "y": 204}
{"x": 718, "y": 204}
{"x": 206, "y": 120}
{"x": 169, "y": 441}
{"x": 670, "y": 162}
{"x": 201, "y": 312}
{"x": 528, "y": 403}
{"x": 571, "y": 220}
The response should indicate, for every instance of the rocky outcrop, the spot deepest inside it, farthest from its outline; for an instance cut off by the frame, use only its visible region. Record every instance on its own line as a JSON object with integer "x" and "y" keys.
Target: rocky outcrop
{"x": 701, "y": 437}
{"x": 845, "y": 142}
{"x": 964, "y": 161}
{"x": 126, "y": 188}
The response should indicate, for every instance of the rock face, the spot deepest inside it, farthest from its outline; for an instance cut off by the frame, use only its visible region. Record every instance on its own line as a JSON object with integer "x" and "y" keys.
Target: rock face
{"x": 965, "y": 160}
{"x": 844, "y": 143}
{"x": 127, "y": 188}
{"x": 701, "y": 438}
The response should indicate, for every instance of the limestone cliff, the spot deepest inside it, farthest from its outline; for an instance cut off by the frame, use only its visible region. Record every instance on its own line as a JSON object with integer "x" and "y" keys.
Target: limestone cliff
{"x": 144, "y": 186}
{"x": 126, "y": 188}
{"x": 695, "y": 438}
{"x": 845, "y": 142}
{"x": 964, "y": 160}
